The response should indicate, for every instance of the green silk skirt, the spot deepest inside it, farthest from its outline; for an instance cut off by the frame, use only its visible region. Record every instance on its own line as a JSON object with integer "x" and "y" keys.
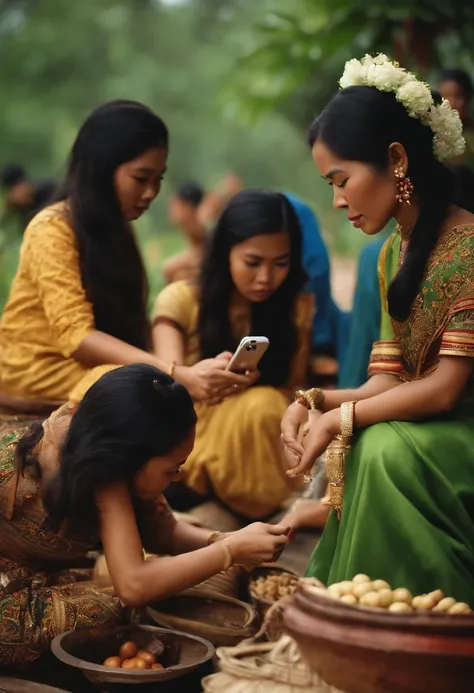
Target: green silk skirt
{"x": 408, "y": 515}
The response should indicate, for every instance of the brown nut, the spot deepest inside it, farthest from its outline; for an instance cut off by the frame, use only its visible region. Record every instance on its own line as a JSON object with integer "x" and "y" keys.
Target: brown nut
{"x": 349, "y": 599}
{"x": 385, "y": 598}
{"x": 362, "y": 588}
{"x": 400, "y": 607}
{"x": 370, "y": 599}
{"x": 459, "y": 609}
{"x": 360, "y": 579}
{"x": 445, "y": 604}
{"x": 436, "y": 596}
{"x": 346, "y": 587}
{"x": 402, "y": 595}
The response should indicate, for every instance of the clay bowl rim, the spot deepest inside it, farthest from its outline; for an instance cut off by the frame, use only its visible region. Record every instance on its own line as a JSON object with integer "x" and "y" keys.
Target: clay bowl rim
{"x": 367, "y": 616}
{"x": 266, "y": 570}
{"x": 99, "y": 673}
{"x": 252, "y": 615}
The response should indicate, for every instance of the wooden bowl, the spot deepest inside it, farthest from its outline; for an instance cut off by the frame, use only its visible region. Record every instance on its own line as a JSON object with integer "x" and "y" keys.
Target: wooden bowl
{"x": 87, "y": 649}
{"x": 221, "y": 620}
{"x": 261, "y": 604}
{"x": 364, "y": 650}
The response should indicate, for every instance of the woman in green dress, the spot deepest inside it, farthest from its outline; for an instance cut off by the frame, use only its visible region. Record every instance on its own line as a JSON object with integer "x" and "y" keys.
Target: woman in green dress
{"x": 406, "y": 505}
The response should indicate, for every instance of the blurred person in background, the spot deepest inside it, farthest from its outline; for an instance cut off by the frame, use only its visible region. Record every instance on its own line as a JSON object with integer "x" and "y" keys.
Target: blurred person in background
{"x": 456, "y": 86}
{"x": 78, "y": 303}
{"x": 184, "y": 214}
{"x": 252, "y": 283}
{"x": 216, "y": 199}
{"x": 23, "y": 197}
{"x": 331, "y": 324}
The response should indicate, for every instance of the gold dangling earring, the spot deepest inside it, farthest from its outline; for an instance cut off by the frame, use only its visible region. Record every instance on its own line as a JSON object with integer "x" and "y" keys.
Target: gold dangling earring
{"x": 404, "y": 186}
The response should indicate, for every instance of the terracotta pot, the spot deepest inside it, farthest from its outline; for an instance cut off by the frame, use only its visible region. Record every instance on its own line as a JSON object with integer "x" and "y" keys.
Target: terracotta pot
{"x": 362, "y": 650}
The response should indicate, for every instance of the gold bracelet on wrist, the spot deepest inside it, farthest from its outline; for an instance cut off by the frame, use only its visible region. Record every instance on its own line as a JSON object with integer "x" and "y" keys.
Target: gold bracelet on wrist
{"x": 213, "y": 537}
{"x": 229, "y": 559}
{"x": 347, "y": 419}
{"x": 312, "y": 399}
{"x": 172, "y": 369}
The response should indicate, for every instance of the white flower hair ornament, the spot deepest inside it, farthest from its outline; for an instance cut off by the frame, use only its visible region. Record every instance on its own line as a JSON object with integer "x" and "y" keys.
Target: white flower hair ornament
{"x": 385, "y": 75}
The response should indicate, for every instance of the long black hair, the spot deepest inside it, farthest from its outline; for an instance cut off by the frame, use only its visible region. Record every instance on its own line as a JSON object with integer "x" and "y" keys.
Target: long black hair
{"x": 130, "y": 415}
{"x": 251, "y": 213}
{"x": 359, "y": 124}
{"x": 112, "y": 269}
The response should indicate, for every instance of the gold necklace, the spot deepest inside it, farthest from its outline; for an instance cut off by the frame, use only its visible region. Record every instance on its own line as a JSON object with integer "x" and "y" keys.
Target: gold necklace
{"x": 405, "y": 235}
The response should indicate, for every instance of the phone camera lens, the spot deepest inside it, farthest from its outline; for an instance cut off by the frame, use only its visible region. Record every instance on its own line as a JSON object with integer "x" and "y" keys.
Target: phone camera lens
{"x": 248, "y": 347}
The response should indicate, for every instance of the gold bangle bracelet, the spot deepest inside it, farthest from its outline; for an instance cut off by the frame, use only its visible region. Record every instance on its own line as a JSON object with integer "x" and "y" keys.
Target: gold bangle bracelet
{"x": 313, "y": 399}
{"x": 172, "y": 369}
{"x": 213, "y": 537}
{"x": 347, "y": 419}
{"x": 229, "y": 559}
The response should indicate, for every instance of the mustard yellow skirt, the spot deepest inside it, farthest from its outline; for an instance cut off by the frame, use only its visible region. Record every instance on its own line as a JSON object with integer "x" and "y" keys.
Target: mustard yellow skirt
{"x": 238, "y": 455}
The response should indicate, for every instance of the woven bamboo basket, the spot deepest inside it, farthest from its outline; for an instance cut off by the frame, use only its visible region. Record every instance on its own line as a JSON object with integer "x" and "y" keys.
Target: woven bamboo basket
{"x": 215, "y": 617}
{"x": 260, "y": 604}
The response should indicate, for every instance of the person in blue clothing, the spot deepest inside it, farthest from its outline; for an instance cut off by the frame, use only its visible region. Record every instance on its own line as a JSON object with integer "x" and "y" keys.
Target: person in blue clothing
{"x": 365, "y": 318}
{"x": 331, "y": 324}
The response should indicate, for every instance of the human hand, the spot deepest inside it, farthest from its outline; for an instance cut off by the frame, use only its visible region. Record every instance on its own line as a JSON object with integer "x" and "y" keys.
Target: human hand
{"x": 209, "y": 381}
{"x": 322, "y": 432}
{"x": 294, "y": 426}
{"x": 211, "y": 207}
{"x": 258, "y": 543}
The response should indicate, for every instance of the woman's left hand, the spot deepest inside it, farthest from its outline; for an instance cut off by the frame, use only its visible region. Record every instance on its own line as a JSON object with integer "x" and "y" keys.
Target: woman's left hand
{"x": 321, "y": 433}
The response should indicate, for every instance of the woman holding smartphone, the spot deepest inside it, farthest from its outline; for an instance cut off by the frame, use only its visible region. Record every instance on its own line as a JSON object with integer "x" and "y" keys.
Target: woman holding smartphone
{"x": 78, "y": 303}
{"x": 251, "y": 284}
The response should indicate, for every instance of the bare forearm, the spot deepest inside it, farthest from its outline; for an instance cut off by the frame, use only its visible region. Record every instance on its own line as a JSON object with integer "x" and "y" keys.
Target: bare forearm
{"x": 162, "y": 577}
{"x": 187, "y": 537}
{"x": 100, "y": 348}
{"x": 376, "y": 385}
{"x": 420, "y": 399}
{"x": 313, "y": 513}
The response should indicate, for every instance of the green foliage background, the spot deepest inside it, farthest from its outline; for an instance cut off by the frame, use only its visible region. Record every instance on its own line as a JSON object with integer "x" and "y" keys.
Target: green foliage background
{"x": 237, "y": 82}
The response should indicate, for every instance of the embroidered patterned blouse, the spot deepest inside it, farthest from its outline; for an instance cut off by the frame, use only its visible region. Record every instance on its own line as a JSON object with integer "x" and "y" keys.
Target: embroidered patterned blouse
{"x": 441, "y": 322}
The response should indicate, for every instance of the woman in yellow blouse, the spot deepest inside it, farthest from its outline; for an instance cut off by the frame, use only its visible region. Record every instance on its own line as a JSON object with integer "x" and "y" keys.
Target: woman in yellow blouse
{"x": 251, "y": 283}
{"x": 77, "y": 306}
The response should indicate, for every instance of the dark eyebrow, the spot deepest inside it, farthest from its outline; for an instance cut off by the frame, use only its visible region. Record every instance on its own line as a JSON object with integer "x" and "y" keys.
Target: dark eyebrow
{"x": 144, "y": 169}
{"x": 259, "y": 257}
{"x": 333, "y": 172}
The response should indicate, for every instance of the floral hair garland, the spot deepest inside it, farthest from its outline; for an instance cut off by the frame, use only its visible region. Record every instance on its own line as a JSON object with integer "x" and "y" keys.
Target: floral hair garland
{"x": 384, "y": 75}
